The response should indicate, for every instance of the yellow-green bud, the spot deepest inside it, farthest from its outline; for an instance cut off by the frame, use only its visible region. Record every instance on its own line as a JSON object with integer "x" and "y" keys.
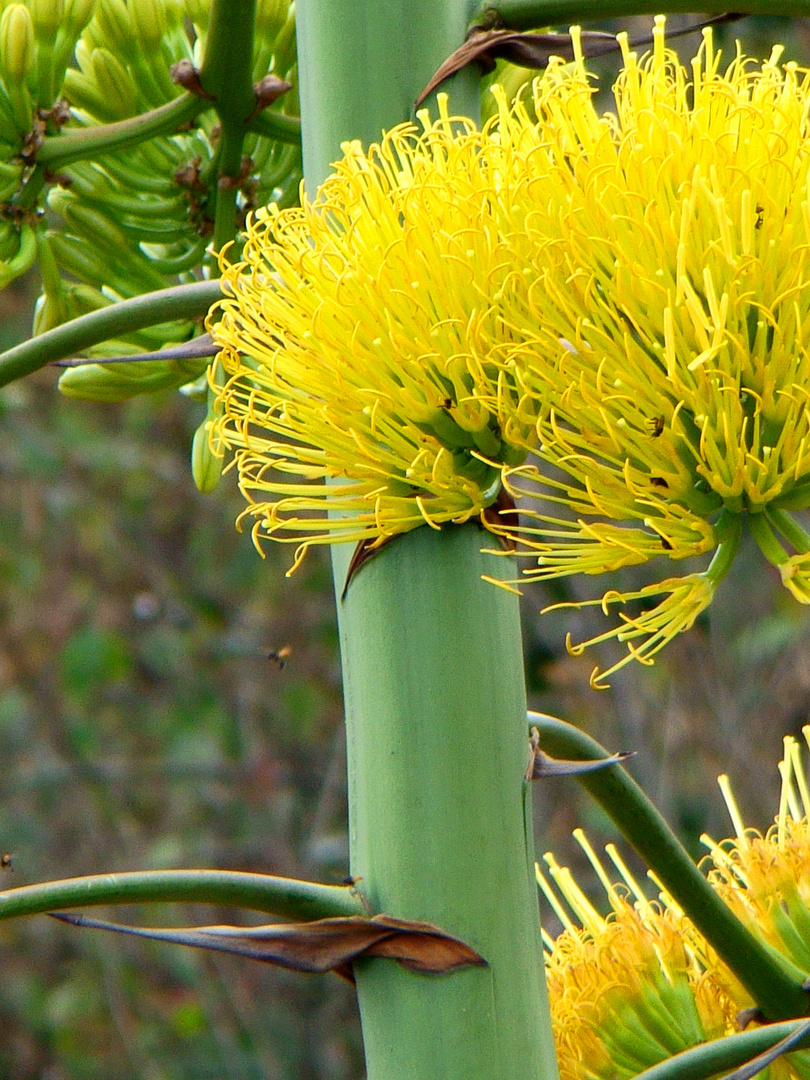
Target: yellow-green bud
{"x": 284, "y": 49}
{"x": 88, "y": 222}
{"x": 116, "y": 85}
{"x": 199, "y": 12}
{"x": 47, "y": 17}
{"x": 114, "y": 25}
{"x": 270, "y": 17}
{"x": 16, "y": 43}
{"x": 72, "y": 301}
{"x": 206, "y": 465}
{"x": 26, "y": 253}
{"x": 117, "y": 382}
{"x": 9, "y": 240}
{"x": 77, "y": 15}
{"x": 149, "y": 18}
{"x": 83, "y": 299}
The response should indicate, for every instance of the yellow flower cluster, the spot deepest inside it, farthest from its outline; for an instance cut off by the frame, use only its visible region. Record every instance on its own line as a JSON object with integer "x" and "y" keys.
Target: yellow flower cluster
{"x": 603, "y": 320}
{"x": 640, "y": 985}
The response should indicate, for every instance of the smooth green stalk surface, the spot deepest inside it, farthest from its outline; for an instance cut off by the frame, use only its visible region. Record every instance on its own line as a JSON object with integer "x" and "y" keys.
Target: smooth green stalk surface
{"x": 439, "y": 825}
{"x": 149, "y": 309}
{"x": 432, "y": 665}
{"x": 773, "y": 982}
{"x": 285, "y": 897}
{"x": 362, "y": 64}
{"x": 531, "y": 14}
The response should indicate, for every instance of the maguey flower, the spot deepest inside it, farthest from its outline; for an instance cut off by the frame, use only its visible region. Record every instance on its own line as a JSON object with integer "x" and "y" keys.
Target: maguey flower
{"x": 629, "y": 989}
{"x": 603, "y": 321}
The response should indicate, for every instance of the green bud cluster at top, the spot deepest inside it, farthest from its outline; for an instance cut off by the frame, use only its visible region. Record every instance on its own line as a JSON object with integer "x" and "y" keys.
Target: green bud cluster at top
{"x": 140, "y": 218}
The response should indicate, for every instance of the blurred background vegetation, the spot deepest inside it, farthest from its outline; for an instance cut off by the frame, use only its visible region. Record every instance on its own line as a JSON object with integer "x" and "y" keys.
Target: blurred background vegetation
{"x": 144, "y": 723}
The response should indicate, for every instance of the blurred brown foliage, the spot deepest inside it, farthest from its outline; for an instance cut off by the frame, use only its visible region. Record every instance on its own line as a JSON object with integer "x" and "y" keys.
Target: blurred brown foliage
{"x": 144, "y": 723}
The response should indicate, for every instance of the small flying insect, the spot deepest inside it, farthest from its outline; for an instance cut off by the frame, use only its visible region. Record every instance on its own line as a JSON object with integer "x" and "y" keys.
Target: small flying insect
{"x": 656, "y": 426}
{"x": 760, "y": 216}
{"x": 7, "y": 862}
{"x": 281, "y": 656}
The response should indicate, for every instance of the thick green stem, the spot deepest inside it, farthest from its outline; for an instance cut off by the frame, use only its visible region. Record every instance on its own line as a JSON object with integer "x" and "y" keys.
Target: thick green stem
{"x": 531, "y": 14}
{"x": 432, "y": 664}
{"x": 149, "y": 309}
{"x": 286, "y": 897}
{"x": 773, "y": 982}
{"x": 440, "y": 822}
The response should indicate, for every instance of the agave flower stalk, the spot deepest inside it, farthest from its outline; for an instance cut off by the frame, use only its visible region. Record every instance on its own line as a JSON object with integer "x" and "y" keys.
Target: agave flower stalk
{"x": 433, "y": 677}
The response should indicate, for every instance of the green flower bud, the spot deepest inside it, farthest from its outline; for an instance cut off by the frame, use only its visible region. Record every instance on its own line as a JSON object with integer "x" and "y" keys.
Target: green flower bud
{"x": 206, "y": 465}
{"x": 199, "y": 13}
{"x": 113, "y": 25}
{"x": 115, "y": 84}
{"x": 149, "y": 18}
{"x": 16, "y": 44}
{"x": 121, "y": 381}
{"x": 10, "y": 179}
{"x": 284, "y": 49}
{"x": 9, "y": 240}
{"x": 82, "y": 299}
{"x": 104, "y": 88}
{"x": 68, "y": 302}
{"x": 271, "y": 15}
{"x": 77, "y": 15}
{"x": 23, "y": 259}
{"x": 47, "y": 16}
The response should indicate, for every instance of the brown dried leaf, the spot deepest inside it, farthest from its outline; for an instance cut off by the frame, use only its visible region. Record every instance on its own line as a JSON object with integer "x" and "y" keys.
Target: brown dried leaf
{"x": 363, "y": 553}
{"x": 323, "y": 945}
{"x": 534, "y": 50}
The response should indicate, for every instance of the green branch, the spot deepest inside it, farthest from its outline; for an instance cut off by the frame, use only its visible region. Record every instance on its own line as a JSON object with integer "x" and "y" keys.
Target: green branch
{"x": 226, "y": 75}
{"x": 708, "y": 1059}
{"x": 275, "y": 125}
{"x": 285, "y": 897}
{"x": 90, "y": 142}
{"x": 531, "y": 14}
{"x": 149, "y": 309}
{"x": 771, "y": 980}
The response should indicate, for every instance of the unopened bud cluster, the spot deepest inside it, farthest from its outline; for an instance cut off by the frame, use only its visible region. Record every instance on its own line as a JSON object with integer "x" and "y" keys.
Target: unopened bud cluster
{"x": 142, "y": 219}
{"x": 139, "y": 219}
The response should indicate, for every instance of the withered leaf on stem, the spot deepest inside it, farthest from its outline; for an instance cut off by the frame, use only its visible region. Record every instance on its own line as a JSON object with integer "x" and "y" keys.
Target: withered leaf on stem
{"x": 534, "y": 50}
{"x": 319, "y": 946}
{"x": 542, "y": 764}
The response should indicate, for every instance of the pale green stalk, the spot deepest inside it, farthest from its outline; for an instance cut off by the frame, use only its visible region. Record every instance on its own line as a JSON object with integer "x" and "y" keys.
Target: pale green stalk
{"x": 531, "y": 14}
{"x": 433, "y": 679}
{"x": 148, "y": 309}
{"x": 257, "y": 892}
